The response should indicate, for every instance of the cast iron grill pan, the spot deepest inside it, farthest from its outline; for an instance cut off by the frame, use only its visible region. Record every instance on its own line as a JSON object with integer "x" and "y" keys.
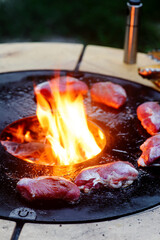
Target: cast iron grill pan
{"x": 123, "y": 131}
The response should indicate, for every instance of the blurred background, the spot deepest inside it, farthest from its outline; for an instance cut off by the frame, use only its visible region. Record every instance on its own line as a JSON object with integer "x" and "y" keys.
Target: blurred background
{"x": 100, "y": 22}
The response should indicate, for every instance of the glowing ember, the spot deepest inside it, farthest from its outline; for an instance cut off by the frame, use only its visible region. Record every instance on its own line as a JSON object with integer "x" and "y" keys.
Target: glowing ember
{"x": 64, "y": 122}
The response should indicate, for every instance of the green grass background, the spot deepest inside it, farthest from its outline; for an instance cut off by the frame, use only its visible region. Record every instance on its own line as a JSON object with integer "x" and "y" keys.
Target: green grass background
{"x": 99, "y": 22}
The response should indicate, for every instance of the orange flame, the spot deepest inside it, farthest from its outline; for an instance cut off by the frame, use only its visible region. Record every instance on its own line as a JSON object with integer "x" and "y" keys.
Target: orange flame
{"x": 65, "y": 123}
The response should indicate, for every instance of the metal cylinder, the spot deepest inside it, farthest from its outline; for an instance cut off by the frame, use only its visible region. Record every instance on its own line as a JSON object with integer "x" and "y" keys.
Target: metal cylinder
{"x": 131, "y": 34}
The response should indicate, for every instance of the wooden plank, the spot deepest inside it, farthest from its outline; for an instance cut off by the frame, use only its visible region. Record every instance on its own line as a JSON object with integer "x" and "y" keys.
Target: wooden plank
{"x": 35, "y": 56}
{"x": 109, "y": 61}
{"x": 6, "y": 229}
{"x": 140, "y": 226}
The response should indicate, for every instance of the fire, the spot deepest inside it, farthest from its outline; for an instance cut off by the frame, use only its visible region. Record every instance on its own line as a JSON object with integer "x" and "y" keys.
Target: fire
{"x": 27, "y": 136}
{"x": 19, "y": 135}
{"x": 60, "y": 134}
{"x": 65, "y": 124}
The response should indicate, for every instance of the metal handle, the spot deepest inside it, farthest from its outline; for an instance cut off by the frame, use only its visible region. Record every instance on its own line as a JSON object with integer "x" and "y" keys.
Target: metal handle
{"x": 131, "y": 35}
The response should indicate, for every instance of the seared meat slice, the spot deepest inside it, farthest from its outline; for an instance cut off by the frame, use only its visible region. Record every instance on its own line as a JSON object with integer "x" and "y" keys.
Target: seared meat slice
{"x": 149, "y": 115}
{"x": 48, "y": 188}
{"x": 113, "y": 95}
{"x": 150, "y": 151}
{"x": 63, "y": 84}
{"x": 37, "y": 152}
{"x": 112, "y": 175}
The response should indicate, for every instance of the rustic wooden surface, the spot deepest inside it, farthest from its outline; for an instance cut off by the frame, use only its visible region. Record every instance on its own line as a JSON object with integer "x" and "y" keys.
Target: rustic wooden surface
{"x": 27, "y": 56}
{"x": 136, "y": 227}
{"x": 6, "y": 229}
{"x": 104, "y": 60}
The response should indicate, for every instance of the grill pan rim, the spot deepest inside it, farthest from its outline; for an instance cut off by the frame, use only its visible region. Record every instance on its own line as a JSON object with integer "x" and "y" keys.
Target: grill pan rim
{"x": 49, "y": 72}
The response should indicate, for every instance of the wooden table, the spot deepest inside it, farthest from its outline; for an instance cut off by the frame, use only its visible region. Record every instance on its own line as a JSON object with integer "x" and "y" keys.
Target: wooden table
{"x": 98, "y": 59}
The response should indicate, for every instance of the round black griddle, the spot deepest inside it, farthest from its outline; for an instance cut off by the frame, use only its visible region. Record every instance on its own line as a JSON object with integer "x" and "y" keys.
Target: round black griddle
{"x": 124, "y": 135}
